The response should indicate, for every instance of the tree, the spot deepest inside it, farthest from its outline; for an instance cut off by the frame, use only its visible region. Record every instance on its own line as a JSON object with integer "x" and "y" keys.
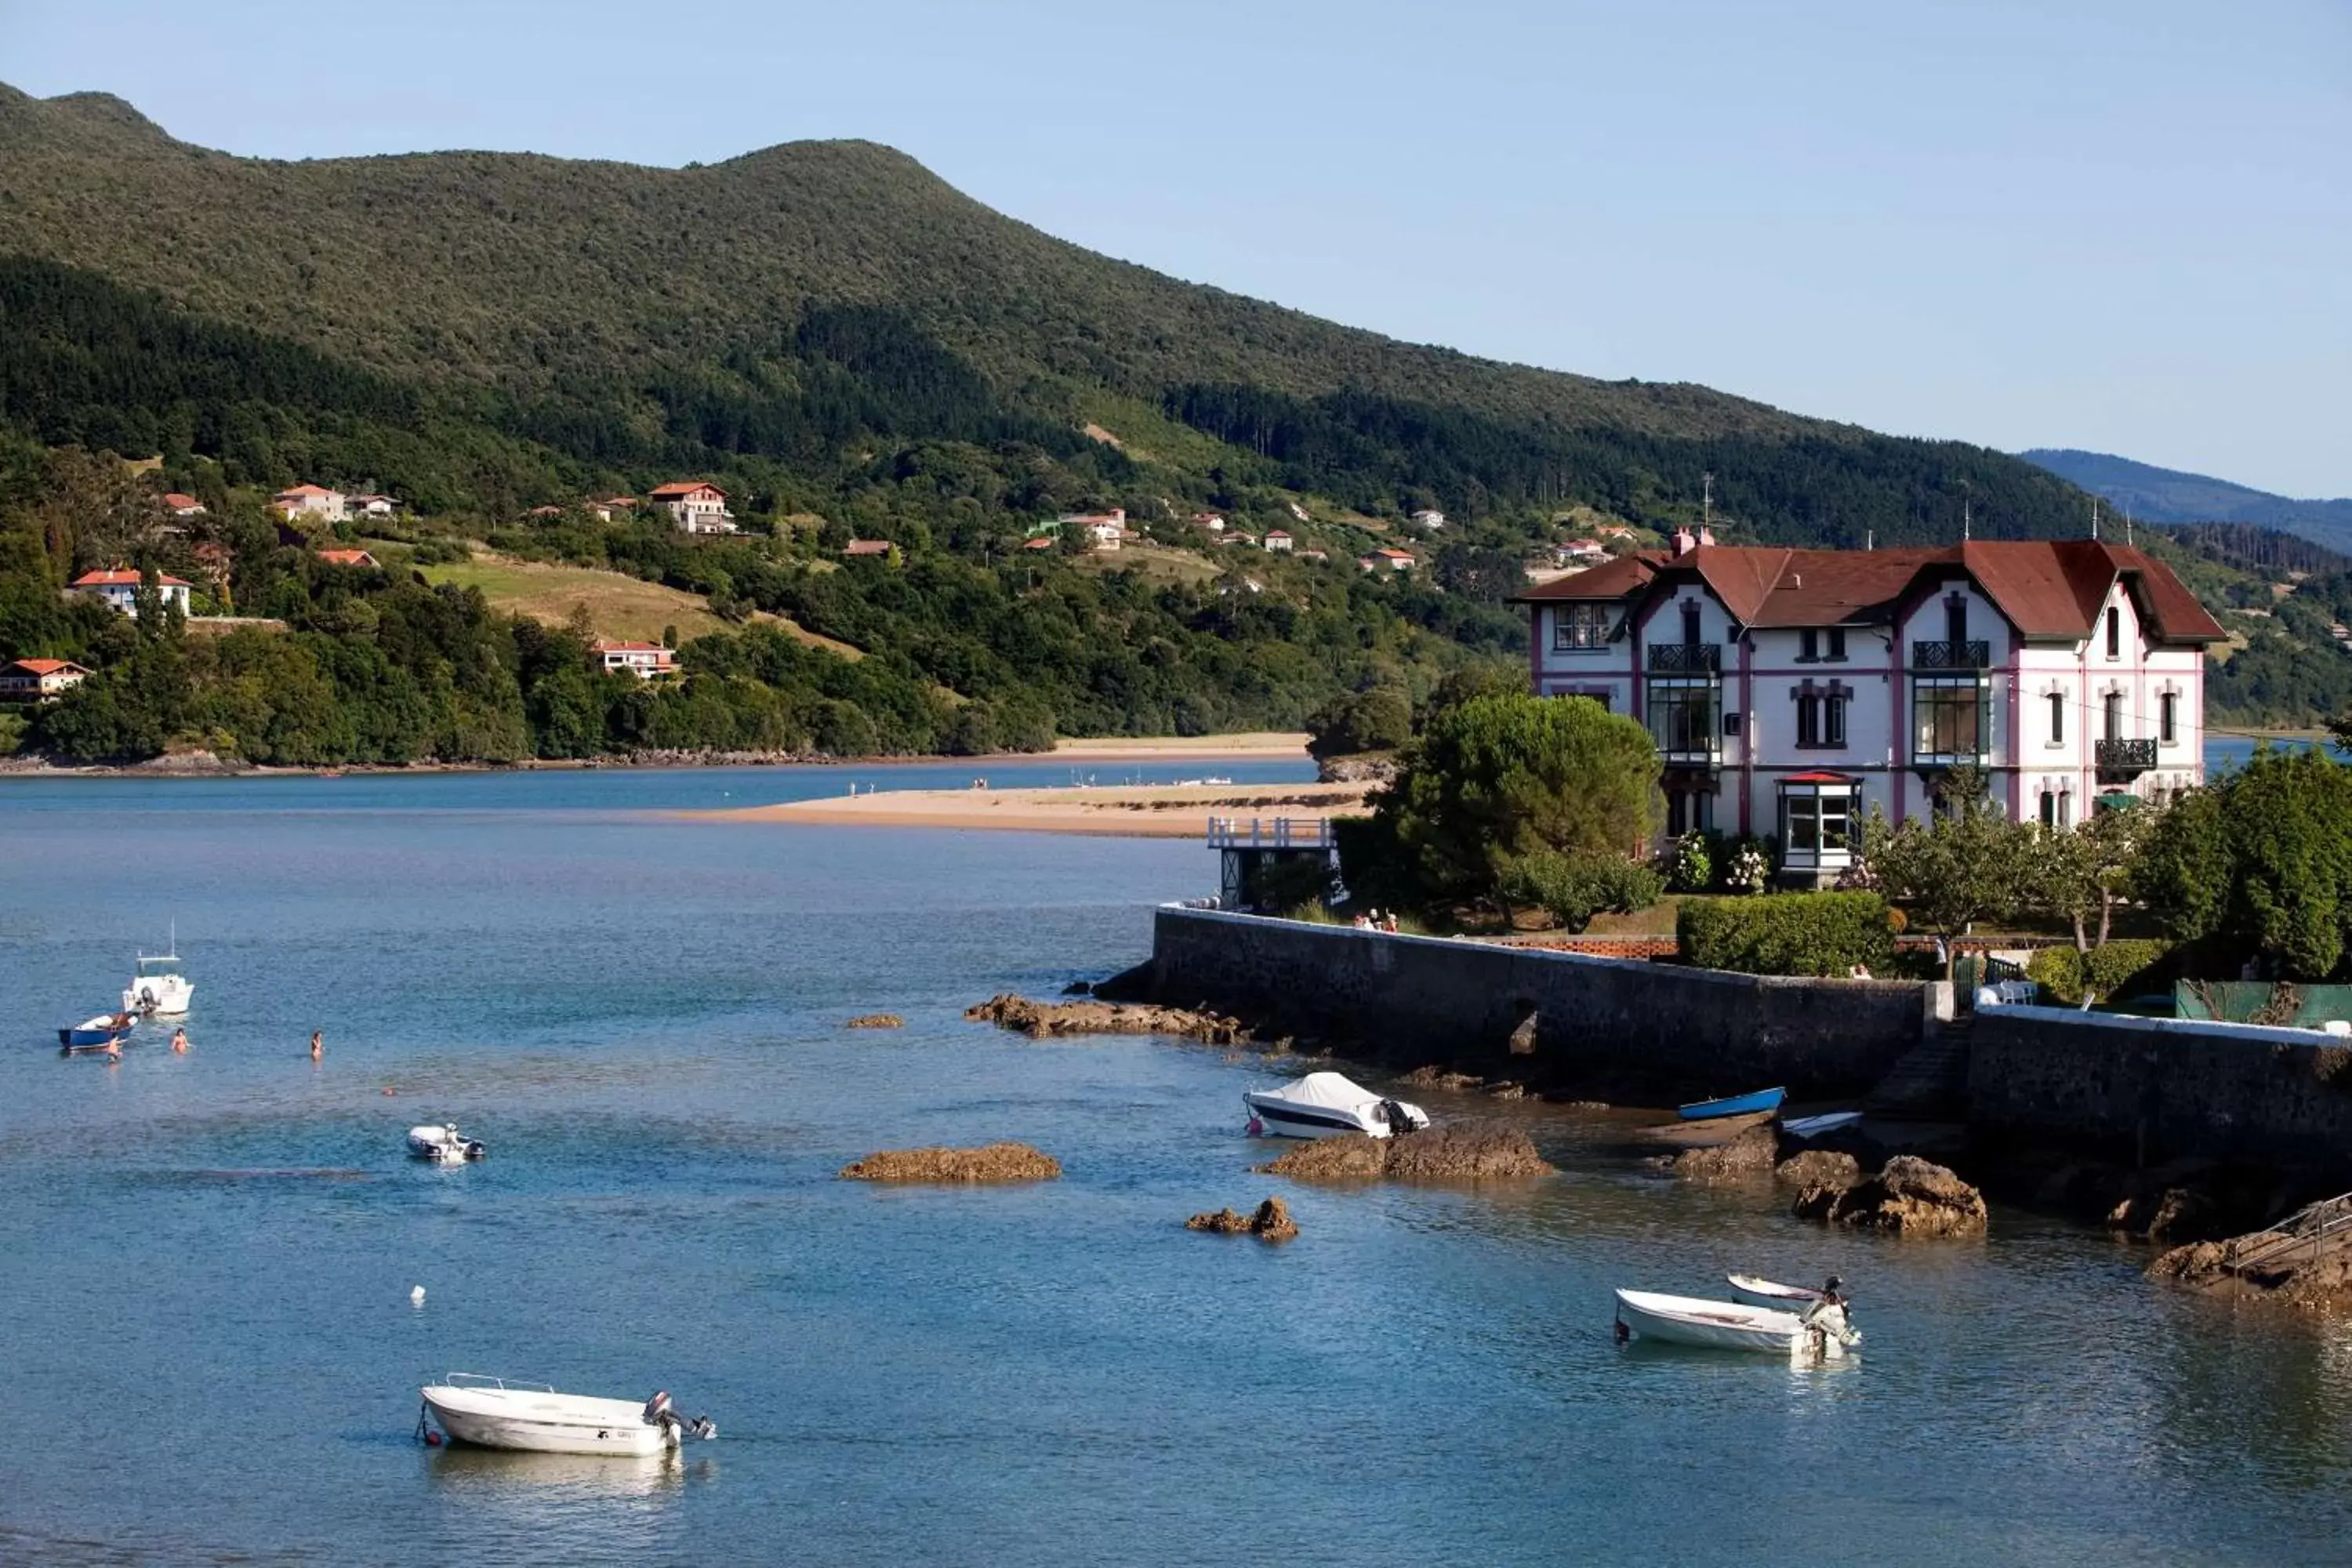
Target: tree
{"x": 1965, "y": 863}
{"x": 2076, "y": 873}
{"x": 1379, "y": 719}
{"x": 1502, "y": 780}
{"x": 2258, "y": 867}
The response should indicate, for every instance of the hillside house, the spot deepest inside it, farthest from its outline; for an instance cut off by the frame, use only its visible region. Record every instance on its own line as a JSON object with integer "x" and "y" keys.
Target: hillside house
{"x": 643, "y": 659}
{"x": 1580, "y": 553}
{"x": 1278, "y": 540}
{"x": 347, "y": 558}
{"x": 181, "y": 507}
{"x": 1103, "y": 529}
{"x": 39, "y": 680}
{"x": 604, "y": 507}
{"x": 1792, "y": 691}
{"x": 873, "y": 549}
{"x": 1386, "y": 561}
{"x": 311, "y": 503}
{"x": 695, "y": 506}
{"x": 1041, "y": 541}
{"x": 1429, "y": 519}
{"x": 1209, "y": 521}
{"x": 119, "y": 586}
{"x": 371, "y": 506}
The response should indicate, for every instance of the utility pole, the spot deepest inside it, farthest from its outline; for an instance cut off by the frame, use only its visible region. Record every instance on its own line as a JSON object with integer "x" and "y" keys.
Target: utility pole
{"x": 1706, "y": 502}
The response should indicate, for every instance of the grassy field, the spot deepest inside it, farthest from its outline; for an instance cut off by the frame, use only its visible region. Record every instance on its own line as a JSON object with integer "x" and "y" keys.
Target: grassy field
{"x": 1155, "y": 563}
{"x": 620, "y": 607}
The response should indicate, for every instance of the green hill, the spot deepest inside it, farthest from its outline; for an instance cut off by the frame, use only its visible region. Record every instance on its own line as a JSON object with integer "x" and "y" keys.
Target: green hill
{"x": 2170, "y": 496}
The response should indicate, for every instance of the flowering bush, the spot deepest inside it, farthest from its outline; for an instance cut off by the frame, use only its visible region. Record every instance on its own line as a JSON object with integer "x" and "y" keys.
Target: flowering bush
{"x": 1689, "y": 868}
{"x": 1748, "y": 869}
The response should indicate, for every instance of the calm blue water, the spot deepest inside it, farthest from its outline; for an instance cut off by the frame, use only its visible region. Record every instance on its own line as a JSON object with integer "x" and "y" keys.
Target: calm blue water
{"x": 211, "y": 1354}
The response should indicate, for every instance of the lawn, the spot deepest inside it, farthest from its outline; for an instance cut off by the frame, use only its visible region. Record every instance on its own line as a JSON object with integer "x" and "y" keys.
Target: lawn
{"x": 618, "y": 606}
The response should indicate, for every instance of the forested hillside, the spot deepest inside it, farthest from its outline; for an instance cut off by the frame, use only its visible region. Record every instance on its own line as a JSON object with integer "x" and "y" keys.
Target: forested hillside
{"x": 2169, "y": 496}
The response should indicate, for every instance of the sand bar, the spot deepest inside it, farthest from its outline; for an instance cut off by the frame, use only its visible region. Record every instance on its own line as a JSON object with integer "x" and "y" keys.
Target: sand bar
{"x": 1145, "y": 811}
{"x": 1260, "y": 745}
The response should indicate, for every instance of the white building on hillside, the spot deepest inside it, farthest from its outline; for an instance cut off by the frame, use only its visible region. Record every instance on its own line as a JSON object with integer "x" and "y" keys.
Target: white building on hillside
{"x": 311, "y": 501}
{"x": 695, "y": 506}
{"x": 119, "y": 586}
{"x": 1791, "y": 691}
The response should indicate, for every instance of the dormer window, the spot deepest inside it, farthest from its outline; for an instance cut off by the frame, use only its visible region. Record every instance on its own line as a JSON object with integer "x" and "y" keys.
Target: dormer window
{"x": 1577, "y": 628}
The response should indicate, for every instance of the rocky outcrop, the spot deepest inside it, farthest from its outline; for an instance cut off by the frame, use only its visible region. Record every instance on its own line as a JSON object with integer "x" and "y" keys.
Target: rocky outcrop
{"x": 991, "y": 1164}
{"x": 1364, "y": 767}
{"x": 1433, "y": 1076}
{"x": 876, "y": 1021}
{"x": 1270, "y": 1221}
{"x": 1909, "y": 1196}
{"x": 1470, "y": 1152}
{"x": 1819, "y": 1168}
{"x": 1750, "y": 1153}
{"x": 1044, "y": 1020}
{"x": 2294, "y": 1262}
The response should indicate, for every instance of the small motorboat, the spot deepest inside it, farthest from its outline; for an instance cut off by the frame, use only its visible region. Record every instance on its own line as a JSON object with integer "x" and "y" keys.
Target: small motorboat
{"x": 96, "y": 1034}
{"x": 1815, "y": 1126}
{"x": 1733, "y": 1326}
{"x": 1326, "y": 1105}
{"x": 443, "y": 1145}
{"x": 1763, "y": 1099}
{"x": 1767, "y": 1293}
{"x": 159, "y": 987}
{"x": 491, "y": 1412}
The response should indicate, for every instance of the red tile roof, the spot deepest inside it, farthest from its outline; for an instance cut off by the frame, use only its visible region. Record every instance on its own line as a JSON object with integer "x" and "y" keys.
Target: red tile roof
{"x": 612, "y": 645}
{"x": 179, "y": 503}
{"x": 119, "y": 577}
{"x": 303, "y": 491}
{"x": 866, "y": 547}
{"x": 677, "y": 489}
{"x": 47, "y": 665}
{"x": 2047, "y": 588}
{"x": 347, "y": 558}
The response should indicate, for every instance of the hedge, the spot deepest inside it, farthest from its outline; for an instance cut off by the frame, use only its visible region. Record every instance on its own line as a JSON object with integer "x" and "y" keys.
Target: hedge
{"x": 2112, "y": 971}
{"x": 1787, "y": 933}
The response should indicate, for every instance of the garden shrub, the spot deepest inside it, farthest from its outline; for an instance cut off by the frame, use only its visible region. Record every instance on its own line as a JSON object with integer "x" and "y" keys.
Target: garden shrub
{"x": 2115, "y": 969}
{"x": 1787, "y": 933}
{"x": 1573, "y": 888}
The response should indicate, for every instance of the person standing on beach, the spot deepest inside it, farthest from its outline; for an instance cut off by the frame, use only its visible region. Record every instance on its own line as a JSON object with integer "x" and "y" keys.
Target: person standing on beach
{"x": 318, "y": 1045}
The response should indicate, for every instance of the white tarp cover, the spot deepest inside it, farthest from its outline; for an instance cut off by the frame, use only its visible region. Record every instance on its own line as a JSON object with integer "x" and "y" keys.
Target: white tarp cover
{"x": 1333, "y": 1091}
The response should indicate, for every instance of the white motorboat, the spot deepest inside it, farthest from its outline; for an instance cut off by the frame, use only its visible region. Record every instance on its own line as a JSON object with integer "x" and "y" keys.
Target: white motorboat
{"x": 490, "y": 1413}
{"x": 1767, "y": 1293}
{"x": 1732, "y": 1326}
{"x": 1327, "y": 1104}
{"x": 159, "y": 987}
{"x": 443, "y": 1145}
{"x": 1808, "y": 1127}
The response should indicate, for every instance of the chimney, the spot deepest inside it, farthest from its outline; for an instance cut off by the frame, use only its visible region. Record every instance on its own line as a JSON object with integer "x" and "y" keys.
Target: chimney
{"x": 1684, "y": 541}
{"x": 1705, "y": 534}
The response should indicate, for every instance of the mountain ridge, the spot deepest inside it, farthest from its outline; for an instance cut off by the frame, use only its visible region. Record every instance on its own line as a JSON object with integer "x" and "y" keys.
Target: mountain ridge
{"x": 2174, "y": 496}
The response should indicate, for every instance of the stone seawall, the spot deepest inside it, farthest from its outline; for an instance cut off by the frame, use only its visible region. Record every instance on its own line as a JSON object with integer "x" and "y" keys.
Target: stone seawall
{"x": 2162, "y": 1088}
{"x": 1599, "y": 1025}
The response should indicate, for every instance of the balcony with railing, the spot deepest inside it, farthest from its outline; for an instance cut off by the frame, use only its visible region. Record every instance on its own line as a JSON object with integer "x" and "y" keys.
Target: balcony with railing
{"x": 2120, "y": 760}
{"x": 1685, "y": 658}
{"x": 1951, "y": 723}
{"x": 1975, "y": 654}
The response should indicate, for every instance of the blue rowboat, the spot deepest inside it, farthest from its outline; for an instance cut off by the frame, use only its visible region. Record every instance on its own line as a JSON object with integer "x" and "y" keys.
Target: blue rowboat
{"x": 1738, "y": 1105}
{"x": 103, "y": 1030}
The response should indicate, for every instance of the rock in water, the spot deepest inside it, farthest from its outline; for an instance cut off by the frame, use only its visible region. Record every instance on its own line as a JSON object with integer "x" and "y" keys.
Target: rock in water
{"x": 1042, "y": 1020}
{"x": 1467, "y": 1152}
{"x": 2300, "y": 1260}
{"x": 1819, "y": 1168}
{"x": 1270, "y": 1222}
{"x": 877, "y": 1021}
{"x": 1910, "y": 1196}
{"x": 993, "y": 1162}
{"x": 1750, "y": 1153}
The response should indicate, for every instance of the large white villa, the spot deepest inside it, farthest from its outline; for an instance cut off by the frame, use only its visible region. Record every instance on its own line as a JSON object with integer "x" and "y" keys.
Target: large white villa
{"x": 1791, "y": 690}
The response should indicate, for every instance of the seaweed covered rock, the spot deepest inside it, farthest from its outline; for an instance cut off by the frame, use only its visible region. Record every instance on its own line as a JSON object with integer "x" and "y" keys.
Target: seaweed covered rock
{"x": 1270, "y": 1221}
{"x": 1909, "y": 1196}
{"x": 991, "y": 1164}
{"x": 1043, "y": 1020}
{"x": 1750, "y": 1153}
{"x": 1473, "y": 1152}
{"x": 1819, "y": 1168}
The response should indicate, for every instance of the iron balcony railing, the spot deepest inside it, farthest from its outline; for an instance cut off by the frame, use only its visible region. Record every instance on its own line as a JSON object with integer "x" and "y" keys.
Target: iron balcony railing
{"x": 2124, "y": 759}
{"x": 1972, "y": 655}
{"x": 1685, "y": 658}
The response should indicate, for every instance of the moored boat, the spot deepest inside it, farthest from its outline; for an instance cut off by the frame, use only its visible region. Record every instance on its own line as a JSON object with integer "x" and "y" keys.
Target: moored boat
{"x": 1762, "y": 1100}
{"x": 1326, "y": 1105}
{"x": 1732, "y": 1325}
{"x": 1816, "y": 1126}
{"x": 98, "y": 1033}
{"x": 1762, "y": 1292}
{"x": 159, "y": 987}
{"x": 443, "y": 1145}
{"x": 490, "y": 1413}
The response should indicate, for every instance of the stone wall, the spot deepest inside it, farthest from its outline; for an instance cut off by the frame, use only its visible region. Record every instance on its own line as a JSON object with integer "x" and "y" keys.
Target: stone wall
{"x": 2162, "y": 1088}
{"x": 1601, "y": 1025}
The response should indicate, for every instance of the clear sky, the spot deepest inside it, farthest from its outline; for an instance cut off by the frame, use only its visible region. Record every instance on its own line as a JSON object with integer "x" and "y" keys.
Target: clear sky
{"x": 2119, "y": 225}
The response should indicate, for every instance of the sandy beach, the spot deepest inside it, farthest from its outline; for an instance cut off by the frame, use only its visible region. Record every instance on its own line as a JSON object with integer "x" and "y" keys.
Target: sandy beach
{"x": 1256, "y": 746}
{"x": 1149, "y": 811}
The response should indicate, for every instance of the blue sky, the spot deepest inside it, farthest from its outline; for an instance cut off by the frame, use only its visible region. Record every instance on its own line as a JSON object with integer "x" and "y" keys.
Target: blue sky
{"x": 2122, "y": 227}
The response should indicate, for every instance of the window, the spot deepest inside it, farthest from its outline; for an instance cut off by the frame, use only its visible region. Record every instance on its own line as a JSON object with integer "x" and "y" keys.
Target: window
{"x": 1817, "y": 824}
{"x": 1683, "y": 718}
{"x": 1690, "y": 622}
{"x": 2049, "y": 808}
{"x": 1689, "y": 811}
{"x": 1948, "y": 720}
{"x": 1821, "y": 718}
{"x": 1955, "y": 620}
{"x": 2168, "y": 719}
{"x": 1575, "y": 628}
{"x": 2114, "y": 632}
{"x": 1837, "y": 643}
{"x": 2057, "y": 718}
{"x": 2111, "y": 716}
{"x": 1808, "y": 646}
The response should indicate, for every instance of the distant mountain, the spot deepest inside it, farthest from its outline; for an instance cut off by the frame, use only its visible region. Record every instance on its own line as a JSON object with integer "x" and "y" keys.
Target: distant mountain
{"x": 2166, "y": 495}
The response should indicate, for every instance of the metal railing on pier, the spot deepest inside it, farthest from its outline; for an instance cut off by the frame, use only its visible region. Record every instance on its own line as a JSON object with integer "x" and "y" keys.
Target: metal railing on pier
{"x": 1276, "y": 833}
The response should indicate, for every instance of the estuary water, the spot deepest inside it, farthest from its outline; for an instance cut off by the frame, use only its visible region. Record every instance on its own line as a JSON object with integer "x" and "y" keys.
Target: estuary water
{"x": 208, "y": 1350}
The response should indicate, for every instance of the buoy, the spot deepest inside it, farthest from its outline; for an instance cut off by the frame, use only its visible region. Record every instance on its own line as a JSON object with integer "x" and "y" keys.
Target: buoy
{"x": 433, "y": 1439}
{"x": 416, "y": 1295}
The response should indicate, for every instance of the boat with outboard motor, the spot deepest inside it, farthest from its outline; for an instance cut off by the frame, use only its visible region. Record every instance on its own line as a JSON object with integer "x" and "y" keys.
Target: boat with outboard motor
{"x": 443, "y": 1145}
{"x": 159, "y": 987}
{"x": 1763, "y": 1292}
{"x": 490, "y": 1413}
{"x": 1326, "y": 1105}
{"x": 1822, "y": 1330}
{"x": 96, "y": 1034}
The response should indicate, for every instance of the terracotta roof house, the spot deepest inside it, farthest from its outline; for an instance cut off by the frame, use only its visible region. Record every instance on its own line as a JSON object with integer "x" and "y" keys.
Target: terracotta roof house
{"x": 1386, "y": 560}
{"x": 182, "y": 506}
{"x": 119, "y": 586}
{"x": 868, "y": 547}
{"x": 696, "y": 506}
{"x": 1279, "y": 540}
{"x": 347, "y": 558}
{"x": 314, "y": 500}
{"x": 39, "y": 680}
{"x": 1791, "y": 691}
{"x": 643, "y": 659}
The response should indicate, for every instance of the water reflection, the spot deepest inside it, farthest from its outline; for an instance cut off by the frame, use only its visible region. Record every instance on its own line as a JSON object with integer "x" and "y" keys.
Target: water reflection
{"x": 566, "y": 1507}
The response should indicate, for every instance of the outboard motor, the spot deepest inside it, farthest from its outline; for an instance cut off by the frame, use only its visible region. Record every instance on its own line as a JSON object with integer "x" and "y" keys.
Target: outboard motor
{"x": 1398, "y": 1120}
{"x": 658, "y": 1413}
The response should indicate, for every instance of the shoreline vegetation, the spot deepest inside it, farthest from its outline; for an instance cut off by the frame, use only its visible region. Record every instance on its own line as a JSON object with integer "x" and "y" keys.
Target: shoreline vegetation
{"x": 1251, "y": 746}
{"x": 1132, "y": 811}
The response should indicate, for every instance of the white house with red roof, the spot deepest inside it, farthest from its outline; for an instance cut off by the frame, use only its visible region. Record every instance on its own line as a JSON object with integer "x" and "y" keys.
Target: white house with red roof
{"x": 119, "y": 586}
{"x": 39, "y": 680}
{"x": 1279, "y": 541}
{"x": 181, "y": 506}
{"x": 696, "y": 506}
{"x": 314, "y": 502}
{"x": 1386, "y": 561}
{"x": 1791, "y": 691}
{"x": 643, "y": 659}
{"x": 347, "y": 558}
{"x": 1103, "y": 530}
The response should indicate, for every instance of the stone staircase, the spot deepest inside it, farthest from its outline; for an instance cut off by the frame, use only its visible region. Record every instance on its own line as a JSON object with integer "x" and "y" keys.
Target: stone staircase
{"x": 1929, "y": 1081}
